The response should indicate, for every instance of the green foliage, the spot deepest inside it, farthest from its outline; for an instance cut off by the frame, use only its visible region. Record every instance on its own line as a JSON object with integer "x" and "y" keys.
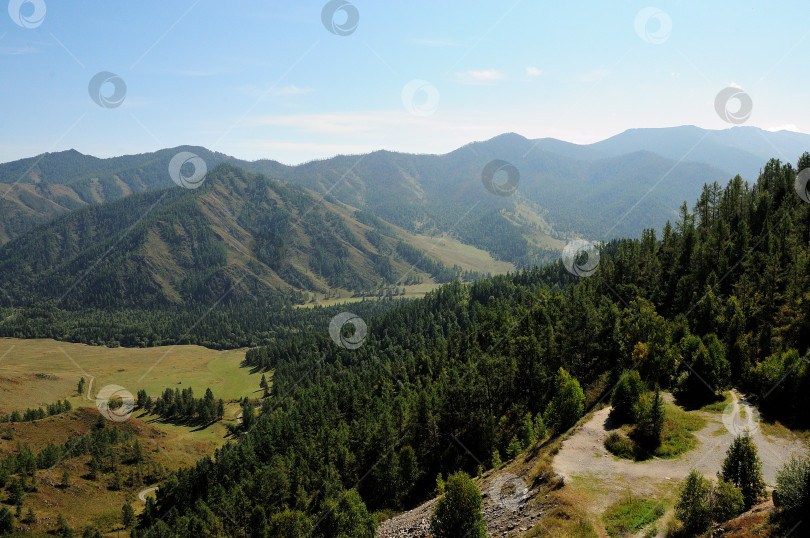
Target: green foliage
{"x": 567, "y": 405}
{"x": 693, "y": 508}
{"x": 62, "y": 527}
{"x": 6, "y": 521}
{"x": 458, "y": 511}
{"x": 743, "y": 468}
{"x": 726, "y": 501}
{"x": 495, "y": 459}
{"x": 619, "y": 445}
{"x": 290, "y": 523}
{"x": 625, "y": 398}
{"x": 527, "y": 434}
{"x": 127, "y": 515}
{"x": 31, "y": 415}
{"x": 792, "y": 493}
{"x": 348, "y": 517}
{"x": 515, "y": 448}
{"x": 709, "y": 371}
{"x": 540, "y": 430}
{"x": 630, "y": 515}
{"x": 181, "y": 407}
{"x": 650, "y": 420}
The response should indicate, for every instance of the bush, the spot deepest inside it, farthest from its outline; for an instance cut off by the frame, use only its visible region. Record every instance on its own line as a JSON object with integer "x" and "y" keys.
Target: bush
{"x": 567, "y": 404}
{"x": 743, "y": 468}
{"x": 349, "y": 517}
{"x": 793, "y": 487}
{"x": 458, "y": 511}
{"x": 727, "y": 501}
{"x": 693, "y": 507}
{"x": 619, "y": 445}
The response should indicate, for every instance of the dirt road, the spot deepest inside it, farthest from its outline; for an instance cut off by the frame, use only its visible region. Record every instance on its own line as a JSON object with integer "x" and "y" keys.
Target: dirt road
{"x": 583, "y": 458}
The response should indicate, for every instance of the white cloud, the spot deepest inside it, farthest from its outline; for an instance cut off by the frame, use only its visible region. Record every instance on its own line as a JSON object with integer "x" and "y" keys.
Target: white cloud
{"x": 533, "y": 72}
{"x": 482, "y": 76}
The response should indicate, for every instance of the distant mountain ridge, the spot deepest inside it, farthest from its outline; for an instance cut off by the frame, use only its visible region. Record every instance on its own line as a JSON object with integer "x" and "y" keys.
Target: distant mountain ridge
{"x": 613, "y": 188}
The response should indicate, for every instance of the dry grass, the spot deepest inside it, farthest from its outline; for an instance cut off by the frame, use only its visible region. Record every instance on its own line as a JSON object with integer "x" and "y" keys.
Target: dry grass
{"x": 38, "y": 372}
{"x": 88, "y": 502}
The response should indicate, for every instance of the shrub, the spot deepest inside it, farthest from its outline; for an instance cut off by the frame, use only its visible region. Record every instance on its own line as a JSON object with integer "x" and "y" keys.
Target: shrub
{"x": 693, "y": 507}
{"x": 458, "y": 511}
{"x": 793, "y": 486}
{"x": 619, "y": 445}
{"x": 349, "y": 517}
{"x": 727, "y": 501}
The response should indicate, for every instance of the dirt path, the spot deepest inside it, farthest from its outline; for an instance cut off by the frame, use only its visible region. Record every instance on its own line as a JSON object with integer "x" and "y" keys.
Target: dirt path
{"x": 584, "y": 460}
{"x": 142, "y": 495}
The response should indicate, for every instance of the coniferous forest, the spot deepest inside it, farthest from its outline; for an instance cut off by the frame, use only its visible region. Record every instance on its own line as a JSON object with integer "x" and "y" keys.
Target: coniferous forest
{"x": 719, "y": 297}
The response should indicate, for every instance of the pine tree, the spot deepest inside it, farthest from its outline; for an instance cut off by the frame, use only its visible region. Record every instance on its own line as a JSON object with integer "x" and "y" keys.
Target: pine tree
{"x": 62, "y": 527}
{"x": 743, "y": 468}
{"x": 127, "y": 515}
{"x": 265, "y": 386}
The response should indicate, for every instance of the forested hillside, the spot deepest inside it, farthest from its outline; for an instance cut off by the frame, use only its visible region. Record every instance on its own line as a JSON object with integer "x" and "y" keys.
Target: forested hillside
{"x": 718, "y": 297}
{"x": 239, "y": 238}
{"x": 37, "y": 189}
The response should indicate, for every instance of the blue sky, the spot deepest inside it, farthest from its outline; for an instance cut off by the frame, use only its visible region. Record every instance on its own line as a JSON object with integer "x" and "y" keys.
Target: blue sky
{"x": 266, "y": 79}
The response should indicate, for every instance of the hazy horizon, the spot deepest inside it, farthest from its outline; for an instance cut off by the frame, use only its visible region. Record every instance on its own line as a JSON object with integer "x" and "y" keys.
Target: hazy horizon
{"x": 390, "y": 149}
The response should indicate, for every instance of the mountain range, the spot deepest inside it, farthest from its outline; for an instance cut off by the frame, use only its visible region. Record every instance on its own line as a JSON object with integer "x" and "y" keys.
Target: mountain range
{"x": 350, "y": 222}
